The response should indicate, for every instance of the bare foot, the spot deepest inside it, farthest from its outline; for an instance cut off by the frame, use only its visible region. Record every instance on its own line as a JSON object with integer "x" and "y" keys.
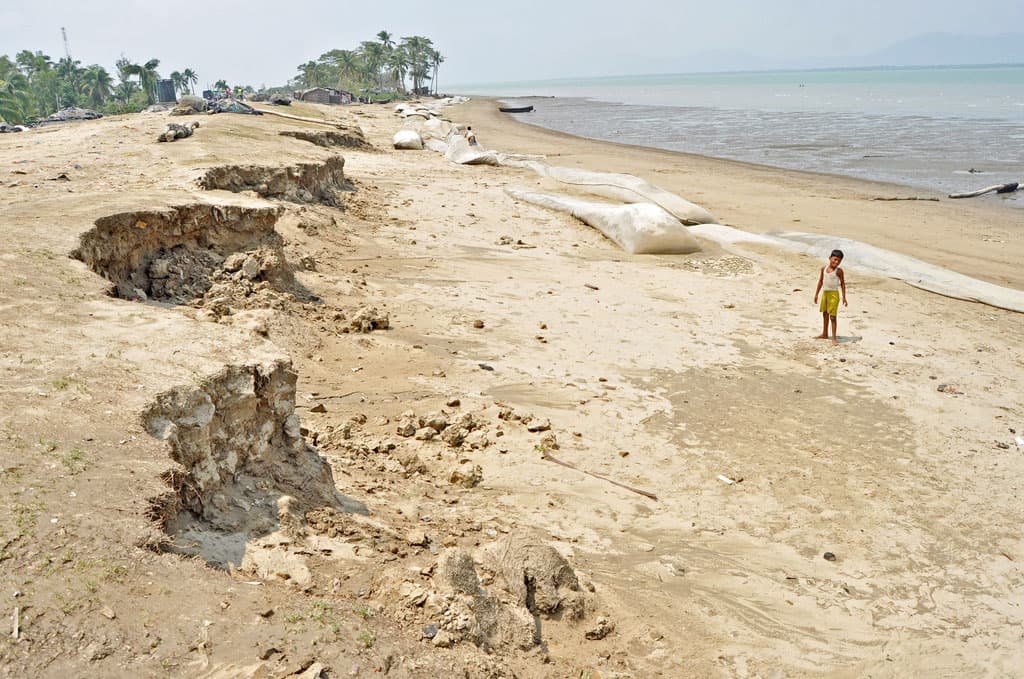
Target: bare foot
{"x": 835, "y": 342}
{"x": 821, "y": 337}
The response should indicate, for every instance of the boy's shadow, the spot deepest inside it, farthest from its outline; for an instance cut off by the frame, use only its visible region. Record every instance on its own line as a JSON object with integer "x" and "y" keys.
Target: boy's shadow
{"x": 848, "y": 339}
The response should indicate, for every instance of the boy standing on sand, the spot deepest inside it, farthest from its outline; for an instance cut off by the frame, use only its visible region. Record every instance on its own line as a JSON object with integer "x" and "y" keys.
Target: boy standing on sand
{"x": 830, "y": 280}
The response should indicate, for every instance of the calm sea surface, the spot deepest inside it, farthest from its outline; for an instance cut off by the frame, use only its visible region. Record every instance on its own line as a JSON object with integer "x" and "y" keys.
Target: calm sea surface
{"x": 920, "y": 127}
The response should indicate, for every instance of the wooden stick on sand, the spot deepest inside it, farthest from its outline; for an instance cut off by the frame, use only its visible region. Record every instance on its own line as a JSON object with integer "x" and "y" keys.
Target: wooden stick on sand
{"x": 551, "y": 458}
{"x": 289, "y": 116}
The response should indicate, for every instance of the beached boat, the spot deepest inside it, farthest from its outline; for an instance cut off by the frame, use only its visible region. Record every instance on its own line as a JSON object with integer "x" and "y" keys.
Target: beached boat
{"x": 515, "y": 109}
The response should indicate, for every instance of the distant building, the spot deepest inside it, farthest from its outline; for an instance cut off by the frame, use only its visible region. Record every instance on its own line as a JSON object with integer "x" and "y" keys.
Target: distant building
{"x": 324, "y": 95}
{"x": 165, "y": 92}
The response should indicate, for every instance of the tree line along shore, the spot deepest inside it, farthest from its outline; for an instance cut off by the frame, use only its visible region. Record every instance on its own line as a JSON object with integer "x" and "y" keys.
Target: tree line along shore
{"x": 34, "y": 86}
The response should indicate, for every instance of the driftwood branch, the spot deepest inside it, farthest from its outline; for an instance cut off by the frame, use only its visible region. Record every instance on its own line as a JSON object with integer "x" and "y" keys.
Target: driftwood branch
{"x": 551, "y": 458}
{"x": 318, "y": 121}
{"x": 908, "y": 198}
{"x": 998, "y": 188}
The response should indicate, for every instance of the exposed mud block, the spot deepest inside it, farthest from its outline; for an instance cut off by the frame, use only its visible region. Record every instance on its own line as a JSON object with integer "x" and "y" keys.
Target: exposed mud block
{"x": 302, "y": 183}
{"x": 499, "y": 599}
{"x": 351, "y": 138}
{"x": 539, "y": 577}
{"x": 469, "y": 612}
{"x": 181, "y": 254}
{"x": 241, "y": 461}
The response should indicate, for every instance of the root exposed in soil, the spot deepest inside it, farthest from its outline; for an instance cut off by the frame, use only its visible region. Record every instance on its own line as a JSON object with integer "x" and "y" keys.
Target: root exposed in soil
{"x": 301, "y": 183}
{"x": 351, "y": 138}
{"x": 181, "y": 254}
{"x": 243, "y": 468}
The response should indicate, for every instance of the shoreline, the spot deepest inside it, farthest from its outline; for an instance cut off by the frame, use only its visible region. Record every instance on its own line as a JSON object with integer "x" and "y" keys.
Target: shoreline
{"x": 974, "y": 239}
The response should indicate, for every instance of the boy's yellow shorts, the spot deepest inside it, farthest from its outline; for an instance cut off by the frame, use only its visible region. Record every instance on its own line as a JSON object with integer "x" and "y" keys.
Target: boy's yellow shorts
{"x": 830, "y": 302}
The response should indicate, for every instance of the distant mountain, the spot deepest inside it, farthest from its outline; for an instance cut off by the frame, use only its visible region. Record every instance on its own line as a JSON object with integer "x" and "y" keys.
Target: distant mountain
{"x": 930, "y": 49}
{"x": 947, "y": 49}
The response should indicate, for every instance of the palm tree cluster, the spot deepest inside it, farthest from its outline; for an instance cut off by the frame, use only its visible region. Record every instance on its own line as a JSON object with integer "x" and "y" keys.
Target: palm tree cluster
{"x": 376, "y": 66}
{"x": 32, "y": 85}
{"x": 185, "y": 81}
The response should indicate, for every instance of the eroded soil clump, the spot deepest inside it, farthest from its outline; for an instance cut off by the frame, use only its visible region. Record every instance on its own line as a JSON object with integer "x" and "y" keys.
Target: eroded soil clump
{"x": 243, "y": 467}
{"x": 302, "y": 183}
{"x": 497, "y": 599}
{"x": 218, "y": 257}
{"x": 351, "y": 138}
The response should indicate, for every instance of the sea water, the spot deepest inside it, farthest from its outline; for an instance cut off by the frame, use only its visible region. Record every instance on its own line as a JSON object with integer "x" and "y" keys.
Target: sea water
{"x": 945, "y": 129}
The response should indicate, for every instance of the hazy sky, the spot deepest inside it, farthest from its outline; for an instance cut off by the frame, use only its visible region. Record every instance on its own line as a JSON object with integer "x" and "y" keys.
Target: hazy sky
{"x": 256, "y": 42}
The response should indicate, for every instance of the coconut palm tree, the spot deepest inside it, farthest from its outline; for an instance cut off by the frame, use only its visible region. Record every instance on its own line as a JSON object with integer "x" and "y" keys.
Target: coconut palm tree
{"x": 373, "y": 58}
{"x": 15, "y": 96}
{"x": 312, "y": 74}
{"x": 387, "y": 50}
{"x": 397, "y": 65}
{"x": 147, "y": 78}
{"x": 347, "y": 62}
{"x": 32, "y": 64}
{"x": 70, "y": 73}
{"x": 126, "y": 87}
{"x": 97, "y": 85}
{"x": 437, "y": 59}
{"x": 7, "y": 67}
{"x": 146, "y": 74}
{"x": 418, "y": 48}
{"x": 178, "y": 81}
{"x": 191, "y": 79}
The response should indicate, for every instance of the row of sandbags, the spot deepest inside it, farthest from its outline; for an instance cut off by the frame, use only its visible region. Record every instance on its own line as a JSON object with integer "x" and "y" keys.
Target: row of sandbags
{"x": 652, "y": 220}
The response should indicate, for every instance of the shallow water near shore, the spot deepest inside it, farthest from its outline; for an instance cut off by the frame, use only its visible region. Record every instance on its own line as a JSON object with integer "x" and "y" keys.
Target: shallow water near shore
{"x": 939, "y": 129}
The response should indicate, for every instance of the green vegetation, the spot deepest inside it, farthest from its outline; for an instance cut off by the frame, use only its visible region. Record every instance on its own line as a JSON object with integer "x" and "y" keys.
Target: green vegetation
{"x": 325, "y": 614}
{"x": 26, "y": 515}
{"x": 74, "y": 460}
{"x": 366, "y": 638}
{"x": 185, "y": 81}
{"x": 378, "y": 66}
{"x": 105, "y": 569}
{"x": 32, "y": 86}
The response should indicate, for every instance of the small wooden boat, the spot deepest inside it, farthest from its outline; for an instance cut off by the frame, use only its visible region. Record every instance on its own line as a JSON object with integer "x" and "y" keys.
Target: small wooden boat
{"x": 516, "y": 109}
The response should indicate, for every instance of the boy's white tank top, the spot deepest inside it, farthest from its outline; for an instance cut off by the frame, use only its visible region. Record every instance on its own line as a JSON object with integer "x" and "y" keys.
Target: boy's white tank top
{"x": 830, "y": 281}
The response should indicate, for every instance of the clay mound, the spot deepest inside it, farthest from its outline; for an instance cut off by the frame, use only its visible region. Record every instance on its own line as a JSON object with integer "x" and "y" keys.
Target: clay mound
{"x": 527, "y": 582}
{"x": 301, "y": 183}
{"x": 539, "y": 577}
{"x": 222, "y": 255}
{"x": 471, "y": 613}
{"x": 239, "y": 450}
{"x": 349, "y": 138}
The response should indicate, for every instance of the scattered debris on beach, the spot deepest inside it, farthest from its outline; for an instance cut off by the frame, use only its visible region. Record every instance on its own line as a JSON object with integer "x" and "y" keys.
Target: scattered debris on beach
{"x": 175, "y": 131}
{"x": 996, "y": 188}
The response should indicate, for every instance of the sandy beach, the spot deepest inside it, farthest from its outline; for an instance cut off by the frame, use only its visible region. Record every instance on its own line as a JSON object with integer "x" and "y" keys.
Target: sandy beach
{"x": 138, "y": 431}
